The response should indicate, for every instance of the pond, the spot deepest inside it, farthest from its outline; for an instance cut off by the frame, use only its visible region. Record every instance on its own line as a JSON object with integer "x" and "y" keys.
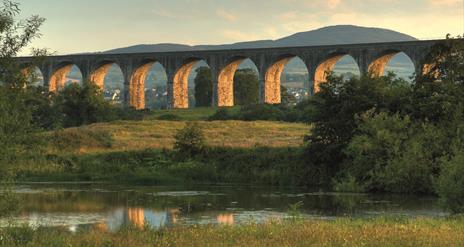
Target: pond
{"x": 110, "y": 207}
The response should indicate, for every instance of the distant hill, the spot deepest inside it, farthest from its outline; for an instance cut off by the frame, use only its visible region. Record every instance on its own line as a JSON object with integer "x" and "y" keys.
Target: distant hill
{"x": 333, "y": 35}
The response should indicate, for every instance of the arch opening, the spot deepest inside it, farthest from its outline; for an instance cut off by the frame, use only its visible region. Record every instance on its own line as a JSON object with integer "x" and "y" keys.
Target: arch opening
{"x": 286, "y": 80}
{"x": 238, "y": 83}
{"x": 148, "y": 86}
{"x": 184, "y": 83}
{"x": 33, "y": 75}
{"x": 66, "y": 74}
{"x": 340, "y": 64}
{"x": 110, "y": 79}
{"x": 393, "y": 61}
{"x": 201, "y": 85}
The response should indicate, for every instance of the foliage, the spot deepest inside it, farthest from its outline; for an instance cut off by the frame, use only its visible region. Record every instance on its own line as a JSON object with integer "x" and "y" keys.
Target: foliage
{"x": 392, "y": 153}
{"x": 84, "y": 104}
{"x": 384, "y": 134}
{"x": 17, "y": 132}
{"x": 450, "y": 184}
{"x": 333, "y": 113}
{"x": 190, "y": 140}
{"x": 261, "y": 112}
{"x": 203, "y": 87}
{"x": 246, "y": 87}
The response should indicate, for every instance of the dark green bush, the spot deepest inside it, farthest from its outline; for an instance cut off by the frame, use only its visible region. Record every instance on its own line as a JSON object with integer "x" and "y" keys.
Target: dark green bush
{"x": 190, "y": 140}
{"x": 450, "y": 184}
{"x": 169, "y": 117}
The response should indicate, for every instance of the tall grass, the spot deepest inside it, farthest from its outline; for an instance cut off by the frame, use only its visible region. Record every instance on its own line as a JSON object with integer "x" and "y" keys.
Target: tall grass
{"x": 343, "y": 232}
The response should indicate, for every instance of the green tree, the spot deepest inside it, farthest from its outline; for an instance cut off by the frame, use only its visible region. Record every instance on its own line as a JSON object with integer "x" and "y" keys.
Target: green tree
{"x": 203, "y": 87}
{"x": 83, "y": 105}
{"x": 190, "y": 140}
{"x": 17, "y": 132}
{"x": 333, "y": 112}
{"x": 450, "y": 184}
{"x": 246, "y": 87}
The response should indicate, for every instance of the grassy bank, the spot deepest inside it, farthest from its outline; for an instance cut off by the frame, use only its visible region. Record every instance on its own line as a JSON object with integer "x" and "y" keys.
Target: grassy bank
{"x": 157, "y": 134}
{"x": 259, "y": 165}
{"x": 344, "y": 232}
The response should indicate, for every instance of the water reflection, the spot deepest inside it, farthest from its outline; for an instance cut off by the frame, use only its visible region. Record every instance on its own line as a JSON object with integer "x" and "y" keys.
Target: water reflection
{"x": 226, "y": 219}
{"x": 109, "y": 208}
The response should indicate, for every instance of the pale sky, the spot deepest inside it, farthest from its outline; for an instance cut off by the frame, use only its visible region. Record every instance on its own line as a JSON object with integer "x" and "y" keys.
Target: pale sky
{"x": 74, "y": 26}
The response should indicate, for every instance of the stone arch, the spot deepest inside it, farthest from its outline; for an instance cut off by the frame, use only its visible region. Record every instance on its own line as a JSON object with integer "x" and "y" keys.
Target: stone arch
{"x": 180, "y": 91}
{"x": 137, "y": 83}
{"x": 33, "y": 74}
{"x": 98, "y": 74}
{"x": 273, "y": 76}
{"x": 380, "y": 64}
{"x": 59, "y": 75}
{"x": 225, "y": 86}
{"x": 327, "y": 66}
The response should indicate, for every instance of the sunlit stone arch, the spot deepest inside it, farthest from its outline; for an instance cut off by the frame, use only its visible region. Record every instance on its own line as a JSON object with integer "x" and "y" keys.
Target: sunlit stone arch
{"x": 100, "y": 70}
{"x": 32, "y": 73}
{"x": 59, "y": 74}
{"x": 378, "y": 65}
{"x": 273, "y": 75}
{"x": 225, "y": 86}
{"x": 137, "y": 82}
{"x": 326, "y": 66}
{"x": 180, "y": 90}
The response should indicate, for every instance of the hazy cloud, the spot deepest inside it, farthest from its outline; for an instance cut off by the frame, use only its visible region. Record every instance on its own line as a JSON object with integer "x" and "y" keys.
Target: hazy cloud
{"x": 122, "y": 23}
{"x": 226, "y": 15}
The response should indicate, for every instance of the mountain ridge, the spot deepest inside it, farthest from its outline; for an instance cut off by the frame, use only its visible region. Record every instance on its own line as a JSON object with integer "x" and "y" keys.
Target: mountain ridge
{"x": 331, "y": 35}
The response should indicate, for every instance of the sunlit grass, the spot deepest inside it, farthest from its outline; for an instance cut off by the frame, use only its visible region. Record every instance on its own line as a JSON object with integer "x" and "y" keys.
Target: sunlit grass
{"x": 342, "y": 232}
{"x": 155, "y": 134}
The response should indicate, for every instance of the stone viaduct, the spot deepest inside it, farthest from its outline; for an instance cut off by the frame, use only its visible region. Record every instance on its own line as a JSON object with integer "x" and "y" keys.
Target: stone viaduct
{"x": 371, "y": 58}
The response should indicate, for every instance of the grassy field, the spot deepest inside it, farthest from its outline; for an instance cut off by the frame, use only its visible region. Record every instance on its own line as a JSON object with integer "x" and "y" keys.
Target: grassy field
{"x": 343, "y": 232}
{"x": 198, "y": 113}
{"x": 157, "y": 134}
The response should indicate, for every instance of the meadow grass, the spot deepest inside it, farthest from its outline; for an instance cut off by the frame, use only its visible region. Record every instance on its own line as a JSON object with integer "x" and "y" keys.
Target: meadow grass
{"x": 157, "y": 134}
{"x": 342, "y": 232}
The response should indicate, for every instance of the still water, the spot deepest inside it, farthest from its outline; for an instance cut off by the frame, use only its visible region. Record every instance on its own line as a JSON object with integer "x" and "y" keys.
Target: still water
{"x": 110, "y": 207}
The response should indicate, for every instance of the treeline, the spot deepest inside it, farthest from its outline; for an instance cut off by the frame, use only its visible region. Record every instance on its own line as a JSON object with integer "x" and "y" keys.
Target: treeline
{"x": 388, "y": 135}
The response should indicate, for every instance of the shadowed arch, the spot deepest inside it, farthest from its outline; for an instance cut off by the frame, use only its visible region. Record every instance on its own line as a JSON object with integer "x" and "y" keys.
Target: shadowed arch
{"x": 327, "y": 66}
{"x": 180, "y": 97}
{"x": 58, "y": 77}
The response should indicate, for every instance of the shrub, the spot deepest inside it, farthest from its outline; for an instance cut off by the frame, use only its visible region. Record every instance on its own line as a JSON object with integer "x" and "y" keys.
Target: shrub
{"x": 221, "y": 115}
{"x": 190, "y": 140}
{"x": 450, "y": 184}
{"x": 169, "y": 117}
{"x": 84, "y": 104}
{"x": 347, "y": 184}
{"x": 391, "y": 153}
